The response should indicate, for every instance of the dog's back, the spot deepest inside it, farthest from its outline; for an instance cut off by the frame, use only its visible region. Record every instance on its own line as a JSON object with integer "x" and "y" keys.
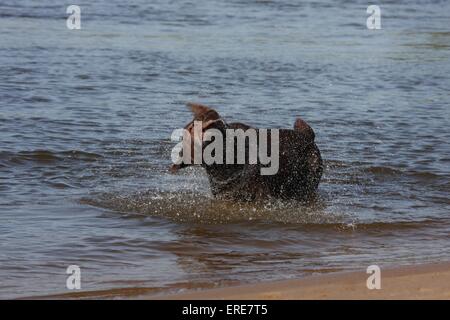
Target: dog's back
{"x": 298, "y": 175}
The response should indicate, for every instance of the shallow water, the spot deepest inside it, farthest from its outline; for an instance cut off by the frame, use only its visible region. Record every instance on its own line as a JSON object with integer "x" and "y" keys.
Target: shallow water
{"x": 86, "y": 118}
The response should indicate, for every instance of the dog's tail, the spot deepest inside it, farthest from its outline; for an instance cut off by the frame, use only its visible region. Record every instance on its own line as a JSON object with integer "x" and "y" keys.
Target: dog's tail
{"x": 302, "y": 126}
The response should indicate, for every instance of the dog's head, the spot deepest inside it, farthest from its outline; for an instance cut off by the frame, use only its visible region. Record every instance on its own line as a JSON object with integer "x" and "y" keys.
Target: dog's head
{"x": 205, "y": 118}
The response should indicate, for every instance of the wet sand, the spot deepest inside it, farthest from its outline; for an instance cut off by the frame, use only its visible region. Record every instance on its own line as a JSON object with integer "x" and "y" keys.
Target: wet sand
{"x": 431, "y": 281}
{"x": 411, "y": 282}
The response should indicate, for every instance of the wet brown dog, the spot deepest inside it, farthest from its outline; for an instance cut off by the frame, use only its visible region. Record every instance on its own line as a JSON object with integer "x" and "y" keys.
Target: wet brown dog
{"x": 298, "y": 175}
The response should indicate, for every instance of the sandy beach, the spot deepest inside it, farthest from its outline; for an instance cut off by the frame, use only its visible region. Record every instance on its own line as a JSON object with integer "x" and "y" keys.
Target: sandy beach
{"x": 411, "y": 282}
{"x": 430, "y": 281}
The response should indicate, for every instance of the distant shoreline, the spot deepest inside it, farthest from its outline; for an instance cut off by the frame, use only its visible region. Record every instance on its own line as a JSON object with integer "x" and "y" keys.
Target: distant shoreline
{"x": 426, "y": 281}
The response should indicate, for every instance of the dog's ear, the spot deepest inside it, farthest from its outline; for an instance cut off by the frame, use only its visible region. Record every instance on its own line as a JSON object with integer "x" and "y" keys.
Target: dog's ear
{"x": 202, "y": 112}
{"x": 198, "y": 109}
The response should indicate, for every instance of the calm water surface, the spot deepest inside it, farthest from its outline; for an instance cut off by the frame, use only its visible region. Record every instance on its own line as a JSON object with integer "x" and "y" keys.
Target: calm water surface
{"x": 86, "y": 118}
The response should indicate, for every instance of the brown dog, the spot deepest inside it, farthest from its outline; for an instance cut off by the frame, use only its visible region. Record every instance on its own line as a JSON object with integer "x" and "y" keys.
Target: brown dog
{"x": 300, "y": 164}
